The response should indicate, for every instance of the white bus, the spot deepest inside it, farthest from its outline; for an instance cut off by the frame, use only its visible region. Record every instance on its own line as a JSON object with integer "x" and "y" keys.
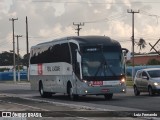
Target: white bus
{"x": 78, "y": 66}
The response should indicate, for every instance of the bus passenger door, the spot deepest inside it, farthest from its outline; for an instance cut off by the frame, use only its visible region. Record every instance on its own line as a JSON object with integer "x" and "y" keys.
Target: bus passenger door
{"x": 78, "y": 70}
{"x": 76, "y": 61}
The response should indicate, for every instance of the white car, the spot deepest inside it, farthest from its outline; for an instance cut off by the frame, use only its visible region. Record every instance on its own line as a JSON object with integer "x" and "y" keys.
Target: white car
{"x": 147, "y": 80}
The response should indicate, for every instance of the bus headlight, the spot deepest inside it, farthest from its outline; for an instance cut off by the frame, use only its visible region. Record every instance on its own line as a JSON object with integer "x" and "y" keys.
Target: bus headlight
{"x": 123, "y": 90}
{"x": 85, "y": 81}
{"x": 155, "y": 83}
{"x": 123, "y": 80}
{"x": 86, "y": 91}
{"x": 88, "y": 82}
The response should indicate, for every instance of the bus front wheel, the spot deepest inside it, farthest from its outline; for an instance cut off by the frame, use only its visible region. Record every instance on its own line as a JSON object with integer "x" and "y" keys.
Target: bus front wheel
{"x": 71, "y": 95}
{"x": 108, "y": 96}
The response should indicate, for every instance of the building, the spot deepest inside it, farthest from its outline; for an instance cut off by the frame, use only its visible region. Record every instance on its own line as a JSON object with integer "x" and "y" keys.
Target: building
{"x": 144, "y": 59}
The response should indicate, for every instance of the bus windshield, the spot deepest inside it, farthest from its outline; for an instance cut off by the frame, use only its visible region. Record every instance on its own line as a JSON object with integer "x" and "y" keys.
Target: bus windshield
{"x": 102, "y": 64}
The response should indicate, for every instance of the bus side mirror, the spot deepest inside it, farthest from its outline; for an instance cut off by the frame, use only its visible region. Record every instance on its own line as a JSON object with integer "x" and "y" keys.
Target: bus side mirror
{"x": 127, "y": 53}
{"x": 78, "y": 57}
{"x": 125, "y": 50}
{"x": 128, "y": 56}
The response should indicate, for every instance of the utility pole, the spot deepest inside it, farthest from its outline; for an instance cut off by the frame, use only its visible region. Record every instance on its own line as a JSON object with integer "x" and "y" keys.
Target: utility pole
{"x": 14, "y": 67}
{"x": 27, "y": 43}
{"x": 18, "y": 56}
{"x": 78, "y": 27}
{"x": 133, "y": 12}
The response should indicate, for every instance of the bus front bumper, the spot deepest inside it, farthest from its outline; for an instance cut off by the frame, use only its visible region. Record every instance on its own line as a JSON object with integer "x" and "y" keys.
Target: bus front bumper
{"x": 101, "y": 90}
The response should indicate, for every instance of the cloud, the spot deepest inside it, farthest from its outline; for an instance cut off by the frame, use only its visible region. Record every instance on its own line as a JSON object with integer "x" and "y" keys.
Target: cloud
{"x": 49, "y": 20}
{"x": 6, "y": 42}
{"x": 120, "y": 29}
{"x": 5, "y": 6}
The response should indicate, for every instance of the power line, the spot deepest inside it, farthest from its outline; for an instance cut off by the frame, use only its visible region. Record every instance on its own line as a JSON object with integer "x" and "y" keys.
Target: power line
{"x": 147, "y": 13}
{"x": 96, "y": 3}
{"x": 107, "y": 19}
{"x": 151, "y": 15}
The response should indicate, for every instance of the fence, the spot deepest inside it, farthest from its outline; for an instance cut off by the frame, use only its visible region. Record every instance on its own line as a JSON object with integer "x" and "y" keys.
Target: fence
{"x": 129, "y": 68}
{"x": 7, "y": 76}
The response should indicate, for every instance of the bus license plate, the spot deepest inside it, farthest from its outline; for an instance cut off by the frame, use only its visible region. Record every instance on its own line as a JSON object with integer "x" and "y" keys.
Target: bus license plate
{"x": 97, "y": 83}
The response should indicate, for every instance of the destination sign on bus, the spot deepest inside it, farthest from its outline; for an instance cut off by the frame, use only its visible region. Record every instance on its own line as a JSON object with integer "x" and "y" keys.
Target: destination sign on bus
{"x": 91, "y": 49}
{"x": 53, "y": 68}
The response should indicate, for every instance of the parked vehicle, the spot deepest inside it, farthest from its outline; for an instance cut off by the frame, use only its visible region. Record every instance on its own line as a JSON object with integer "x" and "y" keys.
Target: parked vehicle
{"x": 147, "y": 80}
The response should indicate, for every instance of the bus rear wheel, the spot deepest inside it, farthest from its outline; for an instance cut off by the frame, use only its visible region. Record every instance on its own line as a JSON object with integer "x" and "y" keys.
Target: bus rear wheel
{"x": 42, "y": 92}
{"x": 108, "y": 96}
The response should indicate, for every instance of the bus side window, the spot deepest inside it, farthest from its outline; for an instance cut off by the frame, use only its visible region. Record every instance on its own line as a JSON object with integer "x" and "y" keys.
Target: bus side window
{"x": 59, "y": 53}
{"x": 75, "y": 65}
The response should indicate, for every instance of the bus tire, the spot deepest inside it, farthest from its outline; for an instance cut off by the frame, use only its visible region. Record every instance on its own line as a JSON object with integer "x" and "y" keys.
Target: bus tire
{"x": 42, "y": 92}
{"x": 71, "y": 95}
{"x": 108, "y": 96}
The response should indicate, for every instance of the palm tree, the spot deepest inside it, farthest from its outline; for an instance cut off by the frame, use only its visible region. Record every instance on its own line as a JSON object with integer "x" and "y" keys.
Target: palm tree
{"x": 141, "y": 43}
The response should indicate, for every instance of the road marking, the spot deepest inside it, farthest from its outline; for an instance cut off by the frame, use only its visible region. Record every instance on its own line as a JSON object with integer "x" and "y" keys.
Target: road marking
{"x": 24, "y": 105}
{"x": 70, "y": 105}
{"x": 44, "y": 109}
{"x": 10, "y": 95}
{"x": 59, "y": 103}
{"x": 89, "y": 106}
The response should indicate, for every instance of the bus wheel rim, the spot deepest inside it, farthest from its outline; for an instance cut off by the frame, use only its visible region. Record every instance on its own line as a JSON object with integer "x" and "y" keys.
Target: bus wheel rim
{"x": 71, "y": 92}
{"x": 41, "y": 90}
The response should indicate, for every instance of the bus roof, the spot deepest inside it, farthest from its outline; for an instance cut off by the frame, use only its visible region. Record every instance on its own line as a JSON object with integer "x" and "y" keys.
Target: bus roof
{"x": 86, "y": 40}
{"x": 98, "y": 40}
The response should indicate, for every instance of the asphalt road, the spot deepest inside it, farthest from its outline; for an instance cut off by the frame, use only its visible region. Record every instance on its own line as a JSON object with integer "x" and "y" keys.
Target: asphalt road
{"x": 19, "y": 97}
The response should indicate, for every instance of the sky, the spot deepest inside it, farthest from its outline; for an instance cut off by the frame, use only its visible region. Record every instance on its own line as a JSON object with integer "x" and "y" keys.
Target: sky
{"x": 51, "y": 19}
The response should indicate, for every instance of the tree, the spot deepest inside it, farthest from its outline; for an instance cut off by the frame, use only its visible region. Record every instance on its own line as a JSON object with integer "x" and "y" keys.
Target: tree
{"x": 128, "y": 63}
{"x": 141, "y": 43}
{"x": 153, "y": 62}
{"x": 6, "y": 58}
{"x": 25, "y": 59}
{"x": 4, "y": 69}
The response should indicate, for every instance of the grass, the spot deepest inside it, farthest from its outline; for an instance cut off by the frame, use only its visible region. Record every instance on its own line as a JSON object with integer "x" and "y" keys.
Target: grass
{"x": 129, "y": 81}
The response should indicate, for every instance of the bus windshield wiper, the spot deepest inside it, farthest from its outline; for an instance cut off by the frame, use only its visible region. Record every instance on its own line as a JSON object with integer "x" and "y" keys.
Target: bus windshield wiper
{"x": 100, "y": 67}
{"x": 104, "y": 62}
{"x": 109, "y": 68}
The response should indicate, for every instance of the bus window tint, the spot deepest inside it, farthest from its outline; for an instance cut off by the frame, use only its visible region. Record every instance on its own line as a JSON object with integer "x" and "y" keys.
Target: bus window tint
{"x": 55, "y": 53}
{"x": 93, "y": 63}
{"x": 113, "y": 59}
